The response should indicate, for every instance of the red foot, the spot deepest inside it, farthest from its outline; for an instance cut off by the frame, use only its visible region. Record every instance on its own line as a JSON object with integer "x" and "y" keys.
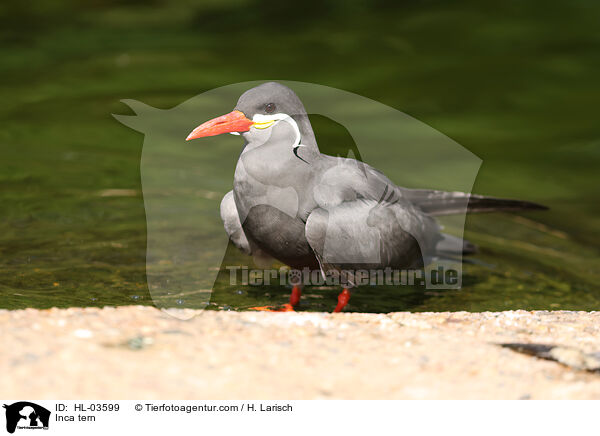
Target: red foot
{"x": 288, "y": 307}
{"x": 285, "y": 308}
{"x": 343, "y": 299}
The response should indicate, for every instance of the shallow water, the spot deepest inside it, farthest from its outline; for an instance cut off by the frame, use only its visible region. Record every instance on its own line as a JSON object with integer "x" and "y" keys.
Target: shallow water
{"x": 507, "y": 87}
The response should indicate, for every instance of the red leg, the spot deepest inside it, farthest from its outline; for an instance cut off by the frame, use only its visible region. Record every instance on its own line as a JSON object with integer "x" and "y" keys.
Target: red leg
{"x": 295, "y": 296}
{"x": 343, "y": 299}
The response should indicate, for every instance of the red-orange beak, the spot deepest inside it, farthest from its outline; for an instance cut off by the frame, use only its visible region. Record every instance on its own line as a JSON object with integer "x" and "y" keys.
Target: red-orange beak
{"x": 234, "y": 121}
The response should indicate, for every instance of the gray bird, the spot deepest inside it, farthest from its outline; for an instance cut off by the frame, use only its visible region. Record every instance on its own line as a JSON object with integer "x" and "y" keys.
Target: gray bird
{"x": 307, "y": 209}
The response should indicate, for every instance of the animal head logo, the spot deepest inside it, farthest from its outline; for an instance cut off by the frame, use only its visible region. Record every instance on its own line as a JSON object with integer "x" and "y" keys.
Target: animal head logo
{"x": 26, "y": 415}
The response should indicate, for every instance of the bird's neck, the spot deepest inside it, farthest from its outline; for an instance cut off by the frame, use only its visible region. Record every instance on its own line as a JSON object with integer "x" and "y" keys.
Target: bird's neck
{"x": 307, "y": 136}
{"x": 292, "y": 139}
{"x": 274, "y": 162}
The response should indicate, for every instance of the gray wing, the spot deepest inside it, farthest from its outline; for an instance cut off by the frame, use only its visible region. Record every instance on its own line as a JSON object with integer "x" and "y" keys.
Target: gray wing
{"x": 364, "y": 222}
{"x": 363, "y": 234}
{"x": 233, "y": 227}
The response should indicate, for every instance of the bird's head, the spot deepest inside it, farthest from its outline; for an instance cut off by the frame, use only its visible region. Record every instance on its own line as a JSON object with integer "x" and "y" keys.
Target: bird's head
{"x": 257, "y": 113}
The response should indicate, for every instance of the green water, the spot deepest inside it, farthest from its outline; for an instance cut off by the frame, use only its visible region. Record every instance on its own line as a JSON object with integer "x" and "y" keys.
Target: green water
{"x": 516, "y": 84}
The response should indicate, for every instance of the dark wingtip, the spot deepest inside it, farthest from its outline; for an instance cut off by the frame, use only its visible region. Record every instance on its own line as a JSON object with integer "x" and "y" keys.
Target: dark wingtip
{"x": 536, "y": 206}
{"x": 493, "y": 204}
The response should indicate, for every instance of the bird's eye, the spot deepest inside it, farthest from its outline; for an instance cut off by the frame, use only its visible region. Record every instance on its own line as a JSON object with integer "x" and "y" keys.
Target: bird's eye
{"x": 270, "y": 108}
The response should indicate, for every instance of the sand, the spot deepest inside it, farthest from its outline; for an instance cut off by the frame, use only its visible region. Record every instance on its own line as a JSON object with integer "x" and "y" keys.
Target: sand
{"x": 139, "y": 352}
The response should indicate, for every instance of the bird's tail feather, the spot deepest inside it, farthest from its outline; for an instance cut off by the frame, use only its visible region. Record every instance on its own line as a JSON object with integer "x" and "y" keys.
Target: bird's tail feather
{"x": 451, "y": 203}
{"x": 450, "y": 245}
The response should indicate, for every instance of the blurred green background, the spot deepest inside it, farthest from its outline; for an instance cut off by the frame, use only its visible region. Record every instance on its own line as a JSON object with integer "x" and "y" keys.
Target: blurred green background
{"x": 515, "y": 82}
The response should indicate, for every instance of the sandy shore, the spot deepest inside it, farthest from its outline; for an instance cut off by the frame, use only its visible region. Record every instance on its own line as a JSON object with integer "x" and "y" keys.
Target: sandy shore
{"x": 140, "y": 352}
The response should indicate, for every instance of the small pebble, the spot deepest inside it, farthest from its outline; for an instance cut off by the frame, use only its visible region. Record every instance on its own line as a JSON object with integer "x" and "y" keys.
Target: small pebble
{"x": 139, "y": 342}
{"x": 83, "y": 334}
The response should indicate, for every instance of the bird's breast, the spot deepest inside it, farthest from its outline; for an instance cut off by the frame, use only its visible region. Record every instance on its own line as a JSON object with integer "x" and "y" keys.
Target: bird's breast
{"x": 280, "y": 235}
{"x": 271, "y": 216}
